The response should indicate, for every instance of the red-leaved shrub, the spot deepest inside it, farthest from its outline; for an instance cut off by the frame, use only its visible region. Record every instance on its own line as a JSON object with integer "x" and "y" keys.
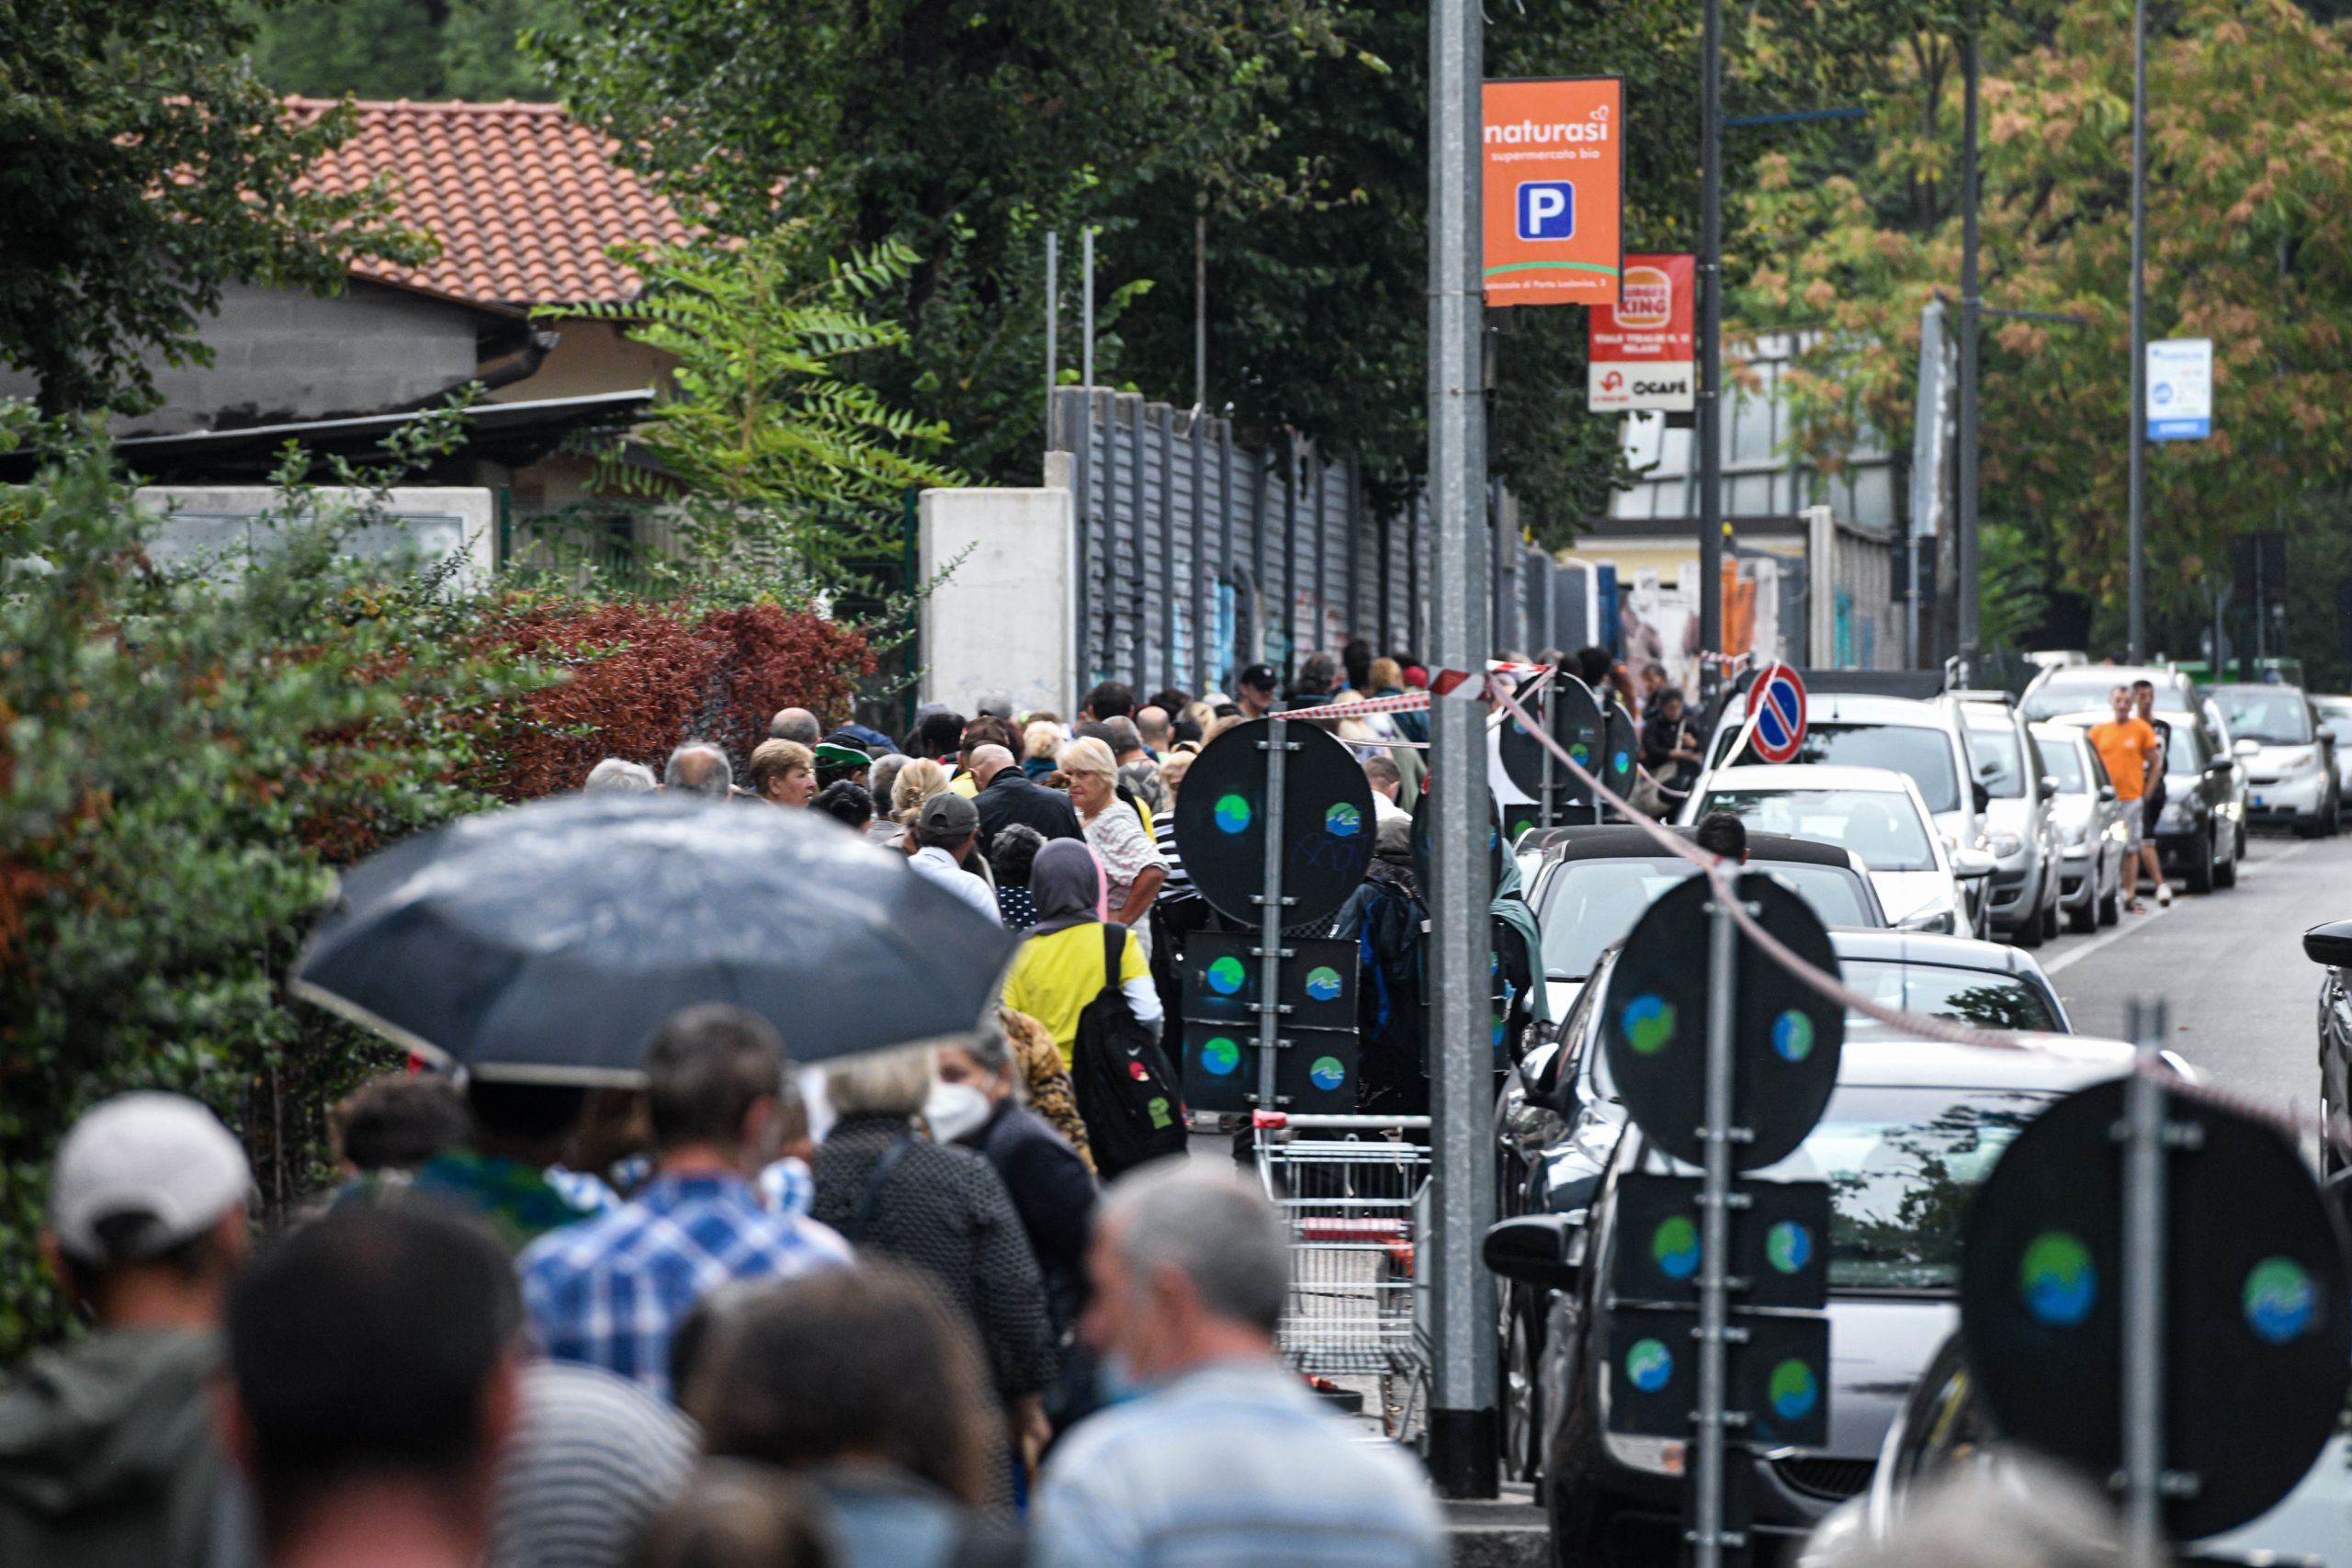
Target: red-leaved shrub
{"x": 646, "y": 676}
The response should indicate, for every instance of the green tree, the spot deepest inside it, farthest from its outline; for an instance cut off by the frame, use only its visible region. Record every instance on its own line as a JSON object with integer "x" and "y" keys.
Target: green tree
{"x": 406, "y": 49}
{"x": 2250, "y": 166}
{"x": 770, "y": 445}
{"x": 148, "y": 167}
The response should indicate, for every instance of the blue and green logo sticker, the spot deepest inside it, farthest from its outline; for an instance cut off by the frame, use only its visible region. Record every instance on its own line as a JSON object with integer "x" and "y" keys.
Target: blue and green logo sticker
{"x": 1327, "y": 1073}
{"x": 2057, "y": 1280}
{"x": 1675, "y": 1247}
{"x": 1793, "y": 1036}
{"x": 2281, "y": 1300}
{"x": 1220, "y": 1055}
{"x": 1793, "y": 1390}
{"x": 1649, "y": 1024}
{"x": 1342, "y": 821}
{"x": 1233, "y": 813}
{"x": 1323, "y": 983}
{"x": 1788, "y": 1247}
{"x": 1649, "y": 1365}
{"x": 1226, "y": 976}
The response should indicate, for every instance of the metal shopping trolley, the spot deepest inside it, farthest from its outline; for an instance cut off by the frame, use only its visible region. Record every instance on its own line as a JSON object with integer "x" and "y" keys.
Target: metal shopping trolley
{"x": 1356, "y": 1199}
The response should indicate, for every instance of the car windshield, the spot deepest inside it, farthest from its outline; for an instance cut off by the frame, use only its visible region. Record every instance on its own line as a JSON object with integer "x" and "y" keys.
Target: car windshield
{"x": 2180, "y": 750}
{"x": 2076, "y": 690}
{"x": 2063, "y": 763}
{"x": 1997, "y": 768}
{"x": 1920, "y": 751}
{"x": 1903, "y": 1165}
{"x": 1878, "y": 825}
{"x": 2333, "y": 710}
{"x": 1972, "y": 995}
{"x": 2275, "y": 715}
{"x": 1590, "y": 904}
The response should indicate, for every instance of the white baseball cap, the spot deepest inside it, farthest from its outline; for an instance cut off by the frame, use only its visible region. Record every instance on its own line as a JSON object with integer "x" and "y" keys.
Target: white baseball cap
{"x": 162, "y": 1155}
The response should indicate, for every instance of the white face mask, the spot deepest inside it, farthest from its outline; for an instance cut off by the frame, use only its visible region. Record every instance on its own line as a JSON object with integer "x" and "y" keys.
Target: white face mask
{"x": 954, "y": 1110}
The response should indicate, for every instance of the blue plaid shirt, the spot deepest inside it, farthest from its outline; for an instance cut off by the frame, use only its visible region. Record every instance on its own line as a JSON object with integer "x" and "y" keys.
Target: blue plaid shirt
{"x": 609, "y": 1291}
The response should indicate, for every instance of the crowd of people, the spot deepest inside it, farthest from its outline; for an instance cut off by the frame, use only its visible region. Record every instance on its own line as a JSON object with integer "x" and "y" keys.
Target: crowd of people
{"x": 904, "y": 1309}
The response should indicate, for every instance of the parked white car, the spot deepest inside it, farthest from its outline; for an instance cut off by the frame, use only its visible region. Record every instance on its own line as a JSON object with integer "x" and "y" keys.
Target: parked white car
{"x": 1876, "y": 812}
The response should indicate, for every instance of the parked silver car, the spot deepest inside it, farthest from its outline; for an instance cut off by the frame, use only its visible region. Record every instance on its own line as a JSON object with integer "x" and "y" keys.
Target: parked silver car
{"x": 2019, "y": 832}
{"x": 2288, "y": 754}
{"x": 2088, "y": 820}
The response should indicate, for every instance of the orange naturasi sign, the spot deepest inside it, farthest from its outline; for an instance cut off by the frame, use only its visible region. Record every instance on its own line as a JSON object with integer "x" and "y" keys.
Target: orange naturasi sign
{"x": 1554, "y": 173}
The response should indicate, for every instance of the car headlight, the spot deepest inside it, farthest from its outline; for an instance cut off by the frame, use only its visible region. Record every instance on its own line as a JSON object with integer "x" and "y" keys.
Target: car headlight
{"x": 2303, "y": 759}
{"x": 1937, "y": 917}
{"x": 2074, "y": 834}
{"x": 2004, "y": 845}
{"x": 2174, "y": 818}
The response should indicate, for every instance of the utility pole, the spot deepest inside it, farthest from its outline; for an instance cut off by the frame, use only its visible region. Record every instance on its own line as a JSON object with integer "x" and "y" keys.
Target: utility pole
{"x": 1965, "y": 565}
{"x": 1711, "y": 339}
{"x": 1462, "y": 1454}
{"x": 2138, "y": 566}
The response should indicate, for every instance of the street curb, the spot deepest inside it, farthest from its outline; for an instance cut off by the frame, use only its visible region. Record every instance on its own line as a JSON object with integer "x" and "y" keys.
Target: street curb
{"x": 1508, "y": 1533}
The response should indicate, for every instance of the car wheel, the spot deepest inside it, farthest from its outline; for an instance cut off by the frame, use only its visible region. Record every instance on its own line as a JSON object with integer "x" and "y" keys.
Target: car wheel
{"x": 1521, "y": 1394}
{"x": 2331, "y": 1164}
{"x": 2227, "y": 874}
{"x": 2085, "y": 920}
{"x": 2111, "y": 903}
{"x": 2028, "y": 931}
{"x": 2050, "y": 916}
{"x": 2198, "y": 876}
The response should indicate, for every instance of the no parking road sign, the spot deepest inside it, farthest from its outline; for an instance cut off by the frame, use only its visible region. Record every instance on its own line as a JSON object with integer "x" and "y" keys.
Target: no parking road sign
{"x": 1776, "y": 714}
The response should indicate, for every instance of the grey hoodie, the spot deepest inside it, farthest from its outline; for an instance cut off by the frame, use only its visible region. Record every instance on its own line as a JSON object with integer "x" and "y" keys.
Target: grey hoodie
{"x": 106, "y": 1453}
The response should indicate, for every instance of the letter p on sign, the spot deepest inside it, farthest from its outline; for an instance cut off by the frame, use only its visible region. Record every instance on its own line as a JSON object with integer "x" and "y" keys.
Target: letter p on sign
{"x": 1547, "y": 209}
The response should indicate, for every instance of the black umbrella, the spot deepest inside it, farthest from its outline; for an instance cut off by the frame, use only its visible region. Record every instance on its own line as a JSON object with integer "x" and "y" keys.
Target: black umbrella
{"x": 551, "y": 941}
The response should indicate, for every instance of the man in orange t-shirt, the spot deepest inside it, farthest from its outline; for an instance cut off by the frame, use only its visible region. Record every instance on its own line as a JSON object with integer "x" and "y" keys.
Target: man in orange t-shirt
{"x": 2132, "y": 754}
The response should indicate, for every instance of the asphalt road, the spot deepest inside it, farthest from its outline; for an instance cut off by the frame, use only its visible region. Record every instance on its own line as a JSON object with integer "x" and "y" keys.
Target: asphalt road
{"x": 2228, "y": 964}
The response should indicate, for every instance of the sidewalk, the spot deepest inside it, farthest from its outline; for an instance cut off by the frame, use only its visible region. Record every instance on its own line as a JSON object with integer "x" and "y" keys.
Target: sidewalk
{"x": 1509, "y": 1532}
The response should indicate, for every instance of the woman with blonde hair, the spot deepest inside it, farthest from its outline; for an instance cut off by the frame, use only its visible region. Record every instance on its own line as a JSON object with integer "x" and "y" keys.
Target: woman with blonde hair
{"x": 1131, "y": 866}
{"x": 1039, "y": 741}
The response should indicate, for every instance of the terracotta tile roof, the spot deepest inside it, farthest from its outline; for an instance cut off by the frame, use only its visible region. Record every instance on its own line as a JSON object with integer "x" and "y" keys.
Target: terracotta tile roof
{"x": 524, "y": 199}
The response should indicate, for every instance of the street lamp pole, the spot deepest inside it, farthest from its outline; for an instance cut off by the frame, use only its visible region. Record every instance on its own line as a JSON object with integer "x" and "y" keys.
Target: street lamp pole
{"x": 1462, "y": 1453}
{"x": 1966, "y": 565}
{"x": 1710, "y": 336}
{"x": 2138, "y": 566}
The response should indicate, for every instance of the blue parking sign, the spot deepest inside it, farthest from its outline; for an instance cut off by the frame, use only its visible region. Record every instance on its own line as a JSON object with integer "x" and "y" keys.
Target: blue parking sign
{"x": 1547, "y": 209}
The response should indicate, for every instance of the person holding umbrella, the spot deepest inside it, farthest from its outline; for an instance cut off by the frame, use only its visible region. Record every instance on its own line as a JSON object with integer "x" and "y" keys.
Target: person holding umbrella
{"x": 610, "y": 1292}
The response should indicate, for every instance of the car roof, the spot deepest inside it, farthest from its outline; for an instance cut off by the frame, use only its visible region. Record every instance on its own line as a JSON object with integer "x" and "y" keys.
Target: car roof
{"x": 1617, "y": 842}
{"x": 2056, "y": 1062}
{"x": 2112, "y": 674}
{"x": 1806, "y": 775}
{"x": 1867, "y": 708}
{"x": 1887, "y": 946}
{"x": 2059, "y": 728}
{"x": 2253, "y": 686}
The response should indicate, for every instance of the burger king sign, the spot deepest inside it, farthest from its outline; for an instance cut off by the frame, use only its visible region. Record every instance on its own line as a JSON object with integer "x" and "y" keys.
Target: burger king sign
{"x": 1642, "y": 345}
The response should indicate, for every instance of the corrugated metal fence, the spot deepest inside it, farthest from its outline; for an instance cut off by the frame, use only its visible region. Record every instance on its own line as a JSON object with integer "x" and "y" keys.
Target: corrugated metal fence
{"x": 1197, "y": 556}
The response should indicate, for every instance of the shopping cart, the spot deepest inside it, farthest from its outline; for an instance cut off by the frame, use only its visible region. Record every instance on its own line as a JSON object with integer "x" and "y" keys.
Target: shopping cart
{"x": 1355, "y": 1201}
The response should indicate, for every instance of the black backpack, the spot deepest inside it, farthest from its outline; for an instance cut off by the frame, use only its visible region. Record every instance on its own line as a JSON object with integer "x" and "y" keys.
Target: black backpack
{"x": 1127, "y": 1092}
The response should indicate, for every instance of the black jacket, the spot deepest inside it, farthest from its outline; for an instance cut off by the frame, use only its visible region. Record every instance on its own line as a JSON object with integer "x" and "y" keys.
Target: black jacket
{"x": 943, "y": 1214}
{"x": 1012, "y": 797}
{"x": 1053, "y": 1194}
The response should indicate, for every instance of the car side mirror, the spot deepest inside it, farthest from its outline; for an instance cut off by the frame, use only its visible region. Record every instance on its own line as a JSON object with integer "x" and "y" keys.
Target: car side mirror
{"x": 2049, "y": 787}
{"x": 1537, "y": 1249}
{"x": 2220, "y": 765}
{"x": 1971, "y": 865}
{"x": 2330, "y": 945}
{"x": 1541, "y": 1069}
{"x": 1983, "y": 797}
{"x": 2245, "y": 746}
{"x": 2107, "y": 792}
{"x": 2327, "y": 732}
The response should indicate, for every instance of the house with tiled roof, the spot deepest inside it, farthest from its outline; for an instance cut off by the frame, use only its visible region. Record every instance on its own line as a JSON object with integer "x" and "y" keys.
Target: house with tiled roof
{"x": 527, "y": 205}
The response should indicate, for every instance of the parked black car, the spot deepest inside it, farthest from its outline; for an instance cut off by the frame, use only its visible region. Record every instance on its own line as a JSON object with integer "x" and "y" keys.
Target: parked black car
{"x": 1910, "y": 1121}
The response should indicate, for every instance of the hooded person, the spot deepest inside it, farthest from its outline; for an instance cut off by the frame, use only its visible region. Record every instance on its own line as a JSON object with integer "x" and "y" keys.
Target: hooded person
{"x": 1059, "y": 968}
{"x": 107, "y": 1453}
{"x": 1383, "y": 918}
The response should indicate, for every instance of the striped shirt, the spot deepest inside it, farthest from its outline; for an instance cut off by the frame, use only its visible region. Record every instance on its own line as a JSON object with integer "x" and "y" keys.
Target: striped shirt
{"x": 591, "y": 1461}
{"x": 609, "y": 1292}
{"x": 1179, "y": 883}
{"x": 1234, "y": 1464}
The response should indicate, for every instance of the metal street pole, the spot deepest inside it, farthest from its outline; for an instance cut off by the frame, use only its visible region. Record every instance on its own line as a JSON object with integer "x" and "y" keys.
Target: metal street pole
{"x": 1715, "y": 1233}
{"x": 2143, "y": 1287}
{"x": 1965, "y": 567}
{"x": 1462, "y": 1455}
{"x": 1711, "y": 339}
{"x": 2138, "y": 566}
{"x": 1271, "y": 902}
{"x": 1053, "y": 328}
{"x": 1086, "y": 267}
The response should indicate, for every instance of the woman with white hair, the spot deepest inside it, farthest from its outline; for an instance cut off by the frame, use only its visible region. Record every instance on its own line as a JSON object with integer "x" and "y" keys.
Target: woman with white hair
{"x": 940, "y": 1212}
{"x": 1131, "y": 863}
